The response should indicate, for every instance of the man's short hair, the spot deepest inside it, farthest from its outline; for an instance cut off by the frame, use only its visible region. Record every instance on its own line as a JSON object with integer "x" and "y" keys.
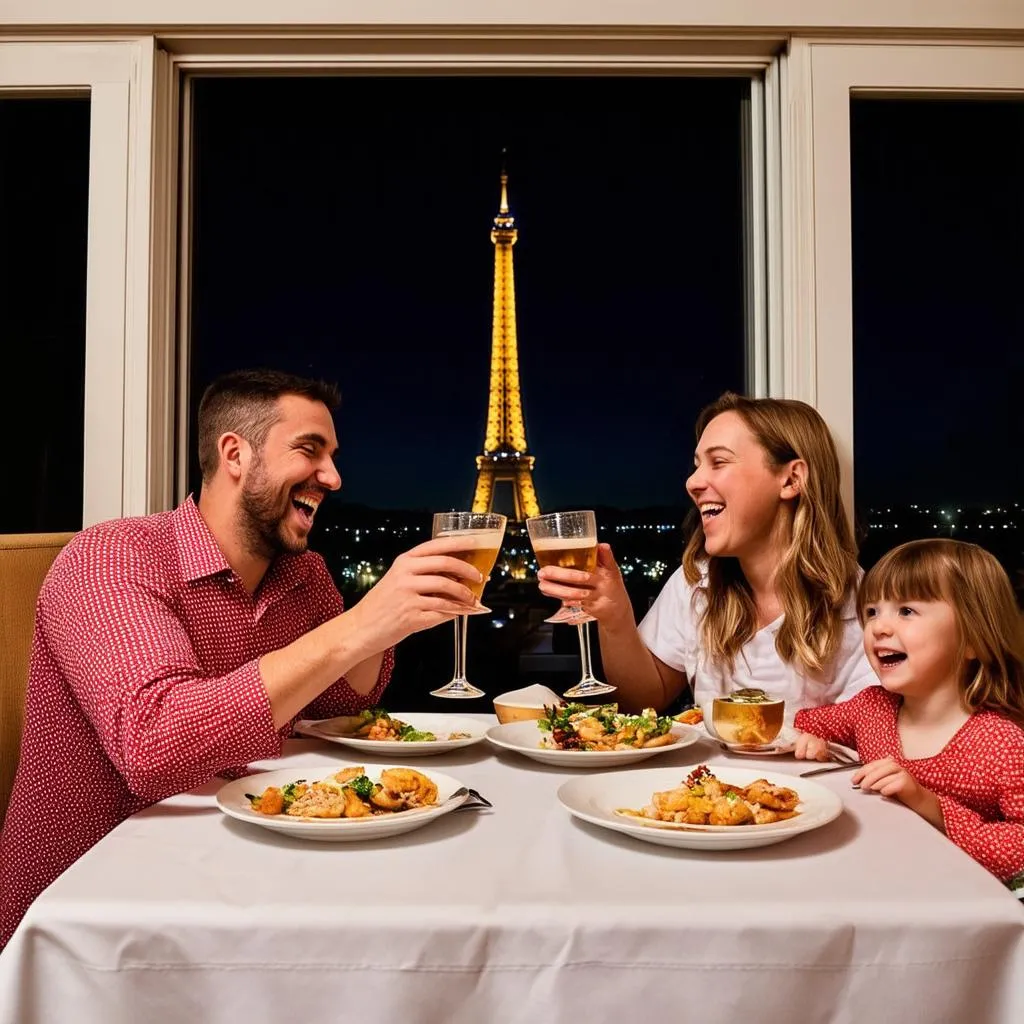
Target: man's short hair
{"x": 244, "y": 402}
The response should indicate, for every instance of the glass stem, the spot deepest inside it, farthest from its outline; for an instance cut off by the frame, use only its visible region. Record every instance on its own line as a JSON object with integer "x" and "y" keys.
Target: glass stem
{"x": 460, "y": 649}
{"x": 587, "y": 676}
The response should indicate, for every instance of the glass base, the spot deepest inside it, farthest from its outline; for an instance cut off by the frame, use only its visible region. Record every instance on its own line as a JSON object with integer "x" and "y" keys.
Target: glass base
{"x": 459, "y": 689}
{"x": 572, "y": 618}
{"x": 589, "y": 689}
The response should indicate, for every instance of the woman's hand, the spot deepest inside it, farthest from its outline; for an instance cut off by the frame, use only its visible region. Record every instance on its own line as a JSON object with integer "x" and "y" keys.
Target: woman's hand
{"x": 810, "y": 748}
{"x": 890, "y": 779}
{"x": 601, "y": 593}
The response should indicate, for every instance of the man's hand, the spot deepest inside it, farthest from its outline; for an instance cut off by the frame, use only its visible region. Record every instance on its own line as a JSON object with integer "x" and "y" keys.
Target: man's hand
{"x": 601, "y": 593}
{"x": 810, "y": 748}
{"x": 421, "y": 589}
{"x": 890, "y": 779}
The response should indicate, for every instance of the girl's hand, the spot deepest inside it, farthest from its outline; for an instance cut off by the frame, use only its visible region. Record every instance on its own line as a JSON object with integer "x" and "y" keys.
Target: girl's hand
{"x": 890, "y": 779}
{"x": 810, "y": 748}
{"x": 601, "y": 592}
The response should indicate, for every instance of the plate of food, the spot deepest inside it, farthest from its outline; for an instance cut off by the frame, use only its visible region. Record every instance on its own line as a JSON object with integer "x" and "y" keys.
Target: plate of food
{"x": 702, "y": 807}
{"x": 580, "y": 736}
{"x": 355, "y": 803}
{"x": 376, "y": 731}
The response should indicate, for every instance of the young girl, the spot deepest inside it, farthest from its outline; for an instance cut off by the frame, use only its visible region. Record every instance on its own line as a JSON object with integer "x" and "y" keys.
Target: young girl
{"x": 944, "y": 733}
{"x": 764, "y": 597}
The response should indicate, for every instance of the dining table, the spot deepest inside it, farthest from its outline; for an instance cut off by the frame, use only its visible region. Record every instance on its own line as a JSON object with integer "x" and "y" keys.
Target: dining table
{"x": 517, "y": 913}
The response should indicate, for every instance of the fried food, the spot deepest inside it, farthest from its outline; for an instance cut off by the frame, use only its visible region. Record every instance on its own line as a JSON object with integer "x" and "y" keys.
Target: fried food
{"x": 779, "y": 798}
{"x": 271, "y": 801}
{"x": 704, "y": 799}
{"x": 348, "y": 793}
{"x": 319, "y": 801}
{"x": 731, "y": 810}
{"x": 413, "y": 786}
{"x": 691, "y": 716}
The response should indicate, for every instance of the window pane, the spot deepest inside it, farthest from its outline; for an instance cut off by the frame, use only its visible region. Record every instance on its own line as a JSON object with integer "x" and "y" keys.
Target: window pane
{"x": 44, "y": 195}
{"x": 938, "y": 257}
{"x": 342, "y": 229}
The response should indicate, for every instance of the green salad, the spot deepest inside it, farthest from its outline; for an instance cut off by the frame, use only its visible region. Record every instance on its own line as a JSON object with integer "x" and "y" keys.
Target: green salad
{"x": 579, "y": 727}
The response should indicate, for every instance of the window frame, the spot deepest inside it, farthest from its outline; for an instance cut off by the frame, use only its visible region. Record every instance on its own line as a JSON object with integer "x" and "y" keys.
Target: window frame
{"x": 117, "y": 385}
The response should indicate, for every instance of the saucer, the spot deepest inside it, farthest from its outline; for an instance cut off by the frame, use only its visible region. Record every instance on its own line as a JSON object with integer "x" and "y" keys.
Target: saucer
{"x": 780, "y": 746}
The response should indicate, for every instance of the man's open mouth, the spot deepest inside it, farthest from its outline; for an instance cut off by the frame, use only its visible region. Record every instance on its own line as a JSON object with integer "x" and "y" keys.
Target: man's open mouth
{"x": 307, "y": 505}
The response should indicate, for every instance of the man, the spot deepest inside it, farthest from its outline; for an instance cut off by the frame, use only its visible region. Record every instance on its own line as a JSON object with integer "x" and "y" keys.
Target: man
{"x": 175, "y": 647}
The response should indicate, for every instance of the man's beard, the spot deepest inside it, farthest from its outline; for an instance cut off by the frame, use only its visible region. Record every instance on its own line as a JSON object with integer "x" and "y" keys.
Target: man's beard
{"x": 261, "y": 521}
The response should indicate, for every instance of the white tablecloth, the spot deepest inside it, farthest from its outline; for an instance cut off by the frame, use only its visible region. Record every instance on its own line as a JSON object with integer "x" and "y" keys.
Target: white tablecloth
{"x": 520, "y": 914}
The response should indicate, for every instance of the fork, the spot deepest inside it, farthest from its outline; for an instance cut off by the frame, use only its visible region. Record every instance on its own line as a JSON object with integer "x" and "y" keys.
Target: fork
{"x": 475, "y": 799}
{"x": 840, "y": 756}
{"x": 838, "y": 766}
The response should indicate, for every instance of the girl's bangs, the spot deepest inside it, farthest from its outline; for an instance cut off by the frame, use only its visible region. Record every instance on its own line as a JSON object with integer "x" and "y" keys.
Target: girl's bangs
{"x": 907, "y": 574}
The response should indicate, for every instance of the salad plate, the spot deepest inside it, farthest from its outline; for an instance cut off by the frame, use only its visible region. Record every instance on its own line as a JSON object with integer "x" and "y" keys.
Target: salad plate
{"x": 413, "y": 734}
{"x": 572, "y": 735}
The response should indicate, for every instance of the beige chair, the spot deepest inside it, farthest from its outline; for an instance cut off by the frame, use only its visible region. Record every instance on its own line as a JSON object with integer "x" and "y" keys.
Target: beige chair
{"x": 25, "y": 558}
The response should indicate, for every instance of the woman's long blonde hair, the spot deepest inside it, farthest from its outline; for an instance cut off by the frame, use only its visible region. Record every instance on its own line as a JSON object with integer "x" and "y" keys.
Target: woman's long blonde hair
{"x": 973, "y": 583}
{"x": 818, "y": 571}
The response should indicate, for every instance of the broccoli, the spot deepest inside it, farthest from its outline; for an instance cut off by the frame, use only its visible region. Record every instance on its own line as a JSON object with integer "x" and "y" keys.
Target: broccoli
{"x": 363, "y": 786}
{"x": 288, "y": 791}
{"x": 410, "y": 735}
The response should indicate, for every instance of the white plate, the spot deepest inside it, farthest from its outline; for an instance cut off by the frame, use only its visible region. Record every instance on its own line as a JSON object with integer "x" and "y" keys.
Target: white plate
{"x": 525, "y": 737}
{"x": 439, "y": 725}
{"x": 596, "y": 798}
{"x": 231, "y": 800}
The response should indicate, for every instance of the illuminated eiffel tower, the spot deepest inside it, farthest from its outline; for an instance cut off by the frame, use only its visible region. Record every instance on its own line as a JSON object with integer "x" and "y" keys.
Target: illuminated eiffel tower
{"x": 505, "y": 458}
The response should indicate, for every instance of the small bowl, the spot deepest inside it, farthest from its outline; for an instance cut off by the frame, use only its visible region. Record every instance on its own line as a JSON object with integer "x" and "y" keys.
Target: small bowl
{"x": 751, "y": 726}
{"x": 517, "y": 712}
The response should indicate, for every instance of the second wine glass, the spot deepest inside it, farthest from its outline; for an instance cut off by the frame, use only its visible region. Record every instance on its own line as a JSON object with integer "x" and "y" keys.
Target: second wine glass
{"x": 569, "y": 540}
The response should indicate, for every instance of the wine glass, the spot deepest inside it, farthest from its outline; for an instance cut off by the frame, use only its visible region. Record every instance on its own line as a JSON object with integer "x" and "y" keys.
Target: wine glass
{"x": 569, "y": 540}
{"x": 483, "y": 532}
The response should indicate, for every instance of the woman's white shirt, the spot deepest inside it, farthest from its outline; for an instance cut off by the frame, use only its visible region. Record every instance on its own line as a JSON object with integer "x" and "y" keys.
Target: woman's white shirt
{"x": 670, "y": 631}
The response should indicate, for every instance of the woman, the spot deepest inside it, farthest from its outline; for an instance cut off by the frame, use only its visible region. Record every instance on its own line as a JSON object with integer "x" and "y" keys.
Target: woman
{"x": 765, "y": 594}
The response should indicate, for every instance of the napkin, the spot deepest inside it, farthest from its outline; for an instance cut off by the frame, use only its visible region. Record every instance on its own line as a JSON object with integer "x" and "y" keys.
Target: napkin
{"x": 535, "y": 696}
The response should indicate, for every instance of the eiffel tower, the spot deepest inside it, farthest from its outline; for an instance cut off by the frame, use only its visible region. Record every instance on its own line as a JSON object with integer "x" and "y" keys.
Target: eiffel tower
{"x": 505, "y": 458}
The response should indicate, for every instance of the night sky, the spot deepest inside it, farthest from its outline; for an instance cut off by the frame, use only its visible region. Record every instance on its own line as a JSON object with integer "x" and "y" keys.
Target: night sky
{"x": 938, "y": 265}
{"x": 342, "y": 230}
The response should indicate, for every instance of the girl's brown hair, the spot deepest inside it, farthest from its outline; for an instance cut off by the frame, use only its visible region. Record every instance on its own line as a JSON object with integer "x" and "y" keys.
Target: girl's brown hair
{"x": 978, "y": 590}
{"x": 818, "y": 571}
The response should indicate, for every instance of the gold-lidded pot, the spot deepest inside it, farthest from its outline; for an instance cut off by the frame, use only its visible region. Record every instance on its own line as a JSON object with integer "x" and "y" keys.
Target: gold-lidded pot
{"x": 748, "y": 718}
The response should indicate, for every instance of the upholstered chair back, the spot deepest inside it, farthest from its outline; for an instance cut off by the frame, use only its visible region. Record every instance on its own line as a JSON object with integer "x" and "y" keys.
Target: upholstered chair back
{"x": 25, "y": 558}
